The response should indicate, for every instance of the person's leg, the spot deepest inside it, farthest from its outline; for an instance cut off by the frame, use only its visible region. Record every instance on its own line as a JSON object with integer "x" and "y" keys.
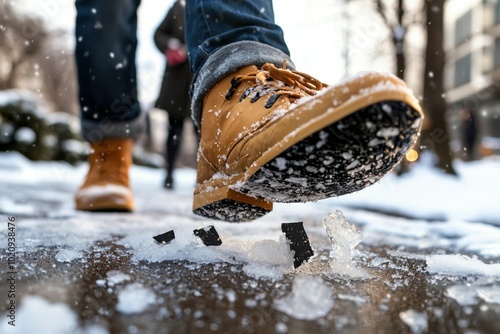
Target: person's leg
{"x": 175, "y": 128}
{"x": 272, "y": 134}
{"x": 106, "y": 42}
{"x": 223, "y": 36}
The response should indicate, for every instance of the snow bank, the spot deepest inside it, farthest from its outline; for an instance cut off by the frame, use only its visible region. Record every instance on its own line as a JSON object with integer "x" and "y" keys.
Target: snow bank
{"x": 24, "y": 98}
{"x": 426, "y": 192}
{"x": 453, "y": 234}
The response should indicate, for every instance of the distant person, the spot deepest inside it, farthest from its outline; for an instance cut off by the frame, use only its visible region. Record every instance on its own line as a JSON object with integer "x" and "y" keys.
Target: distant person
{"x": 174, "y": 91}
{"x": 469, "y": 132}
{"x": 269, "y": 133}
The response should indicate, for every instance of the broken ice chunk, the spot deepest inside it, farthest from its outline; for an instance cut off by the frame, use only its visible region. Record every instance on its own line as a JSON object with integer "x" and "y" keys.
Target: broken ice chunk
{"x": 343, "y": 235}
{"x": 164, "y": 238}
{"x": 299, "y": 242}
{"x": 68, "y": 255}
{"x": 311, "y": 298}
{"x": 208, "y": 236}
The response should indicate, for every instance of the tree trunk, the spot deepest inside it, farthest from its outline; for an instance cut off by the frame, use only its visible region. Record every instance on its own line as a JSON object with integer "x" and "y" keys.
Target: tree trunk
{"x": 435, "y": 135}
{"x": 398, "y": 40}
{"x": 398, "y": 37}
{"x": 400, "y": 64}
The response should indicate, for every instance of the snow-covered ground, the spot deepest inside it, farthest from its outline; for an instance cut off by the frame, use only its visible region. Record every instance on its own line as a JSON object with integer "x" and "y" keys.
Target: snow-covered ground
{"x": 450, "y": 223}
{"x": 440, "y": 205}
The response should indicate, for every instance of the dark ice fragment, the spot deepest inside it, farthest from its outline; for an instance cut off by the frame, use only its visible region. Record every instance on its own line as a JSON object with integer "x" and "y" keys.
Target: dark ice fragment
{"x": 164, "y": 238}
{"x": 208, "y": 236}
{"x": 299, "y": 242}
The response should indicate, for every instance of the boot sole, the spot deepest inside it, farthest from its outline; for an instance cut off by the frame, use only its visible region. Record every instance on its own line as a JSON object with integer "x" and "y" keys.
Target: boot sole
{"x": 104, "y": 207}
{"x": 343, "y": 158}
{"x": 340, "y": 152}
{"x": 105, "y": 203}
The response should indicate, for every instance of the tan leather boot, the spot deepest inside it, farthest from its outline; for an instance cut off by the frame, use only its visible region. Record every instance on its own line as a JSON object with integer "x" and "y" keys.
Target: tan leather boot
{"x": 275, "y": 135}
{"x": 107, "y": 187}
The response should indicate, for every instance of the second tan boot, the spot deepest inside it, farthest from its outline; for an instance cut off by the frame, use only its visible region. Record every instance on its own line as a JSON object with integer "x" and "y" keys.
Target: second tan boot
{"x": 107, "y": 186}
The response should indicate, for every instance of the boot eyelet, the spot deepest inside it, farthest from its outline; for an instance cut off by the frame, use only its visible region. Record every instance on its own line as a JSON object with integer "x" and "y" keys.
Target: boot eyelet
{"x": 246, "y": 93}
{"x": 271, "y": 100}
{"x": 234, "y": 85}
{"x": 257, "y": 95}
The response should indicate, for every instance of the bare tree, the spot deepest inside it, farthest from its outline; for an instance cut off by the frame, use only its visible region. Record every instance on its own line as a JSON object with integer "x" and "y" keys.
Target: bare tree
{"x": 21, "y": 38}
{"x": 398, "y": 27}
{"x": 57, "y": 75}
{"x": 435, "y": 137}
{"x": 33, "y": 57}
{"x": 398, "y": 20}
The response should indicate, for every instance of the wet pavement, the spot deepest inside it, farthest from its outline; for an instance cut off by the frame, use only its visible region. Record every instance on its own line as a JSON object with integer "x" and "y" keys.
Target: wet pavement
{"x": 221, "y": 298}
{"x": 395, "y": 293}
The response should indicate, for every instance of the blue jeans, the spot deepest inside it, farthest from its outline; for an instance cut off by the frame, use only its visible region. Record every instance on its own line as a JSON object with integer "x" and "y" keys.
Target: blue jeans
{"x": 212, "y": 24}
{"x": 106, "y": 43}
{"x": 221, "y": 37}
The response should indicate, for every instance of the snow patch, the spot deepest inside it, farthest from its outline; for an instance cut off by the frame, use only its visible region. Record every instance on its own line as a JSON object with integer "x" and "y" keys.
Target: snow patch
{"x": 460, "y": 265}
{"x": 115, "y": 277}
{"x": 463, "y": 294}
{"x": 38, "y": 315}
{"x": 311, "y": 298}
{"x": 388, "y": 132}
{"x": 417, "y": 321}
{"x": 135, "y": 298}
{"x": 484, "y": 288}
{"x": 265, "y": 258}
{"x": 93, "y": 192}
{"x": 489, "y": 294}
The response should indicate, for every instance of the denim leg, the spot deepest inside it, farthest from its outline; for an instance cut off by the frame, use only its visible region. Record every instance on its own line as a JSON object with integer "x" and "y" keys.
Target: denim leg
{"x": 212, "y": 24}
{"x": 106, "y": 43}
{"x": 223, "y": 36}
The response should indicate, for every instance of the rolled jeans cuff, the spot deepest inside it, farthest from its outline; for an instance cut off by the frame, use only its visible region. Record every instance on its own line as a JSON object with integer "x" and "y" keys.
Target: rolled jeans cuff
{"x": 96, "y": 131}
{"x": 227, "y": 60}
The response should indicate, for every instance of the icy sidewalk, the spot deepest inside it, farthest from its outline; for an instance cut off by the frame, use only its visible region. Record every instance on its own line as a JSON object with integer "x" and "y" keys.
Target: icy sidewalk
{"x": 103, "y": 273}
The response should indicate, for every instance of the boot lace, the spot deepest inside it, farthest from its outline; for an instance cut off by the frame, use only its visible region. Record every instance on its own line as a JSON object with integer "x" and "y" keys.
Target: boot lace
{"x": 278, "y": 81}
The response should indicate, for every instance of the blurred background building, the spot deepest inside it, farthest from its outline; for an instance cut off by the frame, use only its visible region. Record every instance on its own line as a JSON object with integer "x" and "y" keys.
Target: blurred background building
{"x": 472, "y": 80}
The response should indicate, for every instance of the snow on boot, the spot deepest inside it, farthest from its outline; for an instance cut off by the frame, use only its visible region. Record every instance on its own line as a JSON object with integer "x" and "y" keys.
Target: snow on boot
{"x": 275, "y": 135}
{"x": 106, "y": 187}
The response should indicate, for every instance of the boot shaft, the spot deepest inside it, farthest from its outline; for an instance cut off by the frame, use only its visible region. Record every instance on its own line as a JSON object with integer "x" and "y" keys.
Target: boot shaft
{"x": 109, "y": 162}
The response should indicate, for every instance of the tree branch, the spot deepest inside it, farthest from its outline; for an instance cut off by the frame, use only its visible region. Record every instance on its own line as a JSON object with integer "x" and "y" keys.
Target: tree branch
{"x": 381, "y": 11}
